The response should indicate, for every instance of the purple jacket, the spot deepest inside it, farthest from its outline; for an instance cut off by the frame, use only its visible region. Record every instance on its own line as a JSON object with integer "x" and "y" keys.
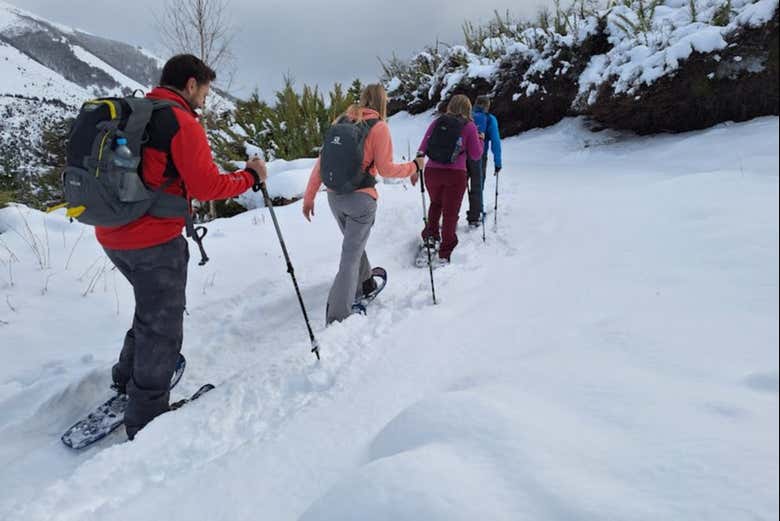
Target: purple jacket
{"x": 472, "y": 147}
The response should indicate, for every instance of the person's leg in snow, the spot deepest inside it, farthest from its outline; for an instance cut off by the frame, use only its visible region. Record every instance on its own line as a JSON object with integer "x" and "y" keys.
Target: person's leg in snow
{"x": 354, "y": 213}
{"x": 433, "y": 183}
{"x": 482, "y": 193}
{"x": 452, "y": 198}
{"x": 474, "y": 214}
{"x": 159, "y": 278}
{"x": 123, "y": 369}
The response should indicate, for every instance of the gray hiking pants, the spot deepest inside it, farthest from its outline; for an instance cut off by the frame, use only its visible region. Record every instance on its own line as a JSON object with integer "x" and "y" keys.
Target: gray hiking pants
{"x": 354, "y": 213}
{"x": 159, "y": 278}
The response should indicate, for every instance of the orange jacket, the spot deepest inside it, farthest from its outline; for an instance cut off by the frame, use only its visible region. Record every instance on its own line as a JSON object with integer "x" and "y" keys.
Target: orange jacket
{"x": 377, "y": 148}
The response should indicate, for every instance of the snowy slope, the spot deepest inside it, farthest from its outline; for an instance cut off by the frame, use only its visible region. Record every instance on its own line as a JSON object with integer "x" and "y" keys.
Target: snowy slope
{"x": 23, "y": 76}
{"x": 609, "y": 353}
{"x": 47, "y": 70}
{"x": 73, "y": 60}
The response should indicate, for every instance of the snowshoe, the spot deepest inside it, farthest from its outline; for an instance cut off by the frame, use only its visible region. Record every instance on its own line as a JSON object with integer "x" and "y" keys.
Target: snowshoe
{"x": 108, "y": 416}
{"x": 371, "y": 288}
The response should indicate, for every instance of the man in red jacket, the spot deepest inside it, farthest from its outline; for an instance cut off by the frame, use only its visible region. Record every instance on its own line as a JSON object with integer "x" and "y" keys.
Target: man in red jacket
{"x": 151, "y": 252}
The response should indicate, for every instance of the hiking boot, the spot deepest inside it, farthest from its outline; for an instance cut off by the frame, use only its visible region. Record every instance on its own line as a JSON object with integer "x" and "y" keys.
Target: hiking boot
{"x": 475, "y": 224}
{"x": 119, "y": 383}
{"x": 431, "y": 242}
{"x": 440, "y": 262}
{"x": 369, "y": 286}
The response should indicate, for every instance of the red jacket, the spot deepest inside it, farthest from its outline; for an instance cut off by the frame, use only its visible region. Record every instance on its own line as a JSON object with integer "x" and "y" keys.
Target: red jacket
{"x": 177, "y": 146}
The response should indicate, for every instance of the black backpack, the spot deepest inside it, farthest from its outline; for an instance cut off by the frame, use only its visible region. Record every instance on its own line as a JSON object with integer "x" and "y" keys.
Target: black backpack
{"x": 341, "y": 157}
{"x": 444, "y": 145}
{"x": 103, "y": 187}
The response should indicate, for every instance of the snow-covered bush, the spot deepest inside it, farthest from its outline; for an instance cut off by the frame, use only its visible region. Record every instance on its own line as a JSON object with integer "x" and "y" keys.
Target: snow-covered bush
{"x": 645, "y": 65}
{"x": 408, "y": 82}
{"x": 692, "y": 64}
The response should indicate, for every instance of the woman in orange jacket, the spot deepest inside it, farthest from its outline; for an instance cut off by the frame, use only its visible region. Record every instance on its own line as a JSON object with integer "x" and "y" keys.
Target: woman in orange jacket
{"x": 355, "y": 209}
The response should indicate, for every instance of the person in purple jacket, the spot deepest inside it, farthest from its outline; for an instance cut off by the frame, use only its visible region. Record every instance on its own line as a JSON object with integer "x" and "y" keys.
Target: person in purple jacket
{"x": 454, "y": 150}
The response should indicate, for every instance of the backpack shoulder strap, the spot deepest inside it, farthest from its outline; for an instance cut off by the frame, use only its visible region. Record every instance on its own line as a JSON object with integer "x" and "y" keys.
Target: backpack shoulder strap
{"x": 368, "y": 124}
{"x": 140, "y": 113}
{"x": 158, "y": 103}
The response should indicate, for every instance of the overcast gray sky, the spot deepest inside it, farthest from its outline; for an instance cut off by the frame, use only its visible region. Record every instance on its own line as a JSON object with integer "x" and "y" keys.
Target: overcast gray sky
{"x": 317, "y": 42}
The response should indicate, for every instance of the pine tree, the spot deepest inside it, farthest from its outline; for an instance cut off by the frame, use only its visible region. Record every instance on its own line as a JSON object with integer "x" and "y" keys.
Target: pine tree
{"x": 354, "y": 91}
{"x": 293, "y": 127}
{"x": 339, "y": 103}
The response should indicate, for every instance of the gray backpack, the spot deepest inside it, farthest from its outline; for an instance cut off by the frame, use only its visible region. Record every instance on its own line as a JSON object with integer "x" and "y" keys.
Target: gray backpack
{"x": 341, "y": 158}
{"x": 102, "y": 182}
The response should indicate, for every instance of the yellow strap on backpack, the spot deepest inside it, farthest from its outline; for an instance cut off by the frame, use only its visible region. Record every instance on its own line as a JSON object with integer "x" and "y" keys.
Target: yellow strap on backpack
{"x": 75, "y": 212}
{"x": 111, "y": 106}
{"x": 72, "y": 213}
{"x": 56, "y": 207}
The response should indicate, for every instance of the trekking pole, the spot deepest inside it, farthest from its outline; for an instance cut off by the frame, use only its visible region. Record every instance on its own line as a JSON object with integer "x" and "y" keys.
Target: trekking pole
{"x": 483, "y": 220}
{"x": 495, "y": 208}
{"x": 482, "y": 172}
{"x": 407, "y": 158}
{"x": 315, "y": 348}
{"x": 427, "y": 242}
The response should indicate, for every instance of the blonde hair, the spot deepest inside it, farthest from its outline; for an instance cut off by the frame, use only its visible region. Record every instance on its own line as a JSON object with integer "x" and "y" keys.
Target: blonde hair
{"x": 372, "y": 97}
{"x": 460, "y": 105}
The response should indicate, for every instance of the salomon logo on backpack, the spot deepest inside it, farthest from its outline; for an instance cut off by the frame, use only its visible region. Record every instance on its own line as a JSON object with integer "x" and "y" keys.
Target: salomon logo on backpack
{"x": 101, "y": 182}
{"x": 341, "y": 158}
{"x": 444, "y": 145}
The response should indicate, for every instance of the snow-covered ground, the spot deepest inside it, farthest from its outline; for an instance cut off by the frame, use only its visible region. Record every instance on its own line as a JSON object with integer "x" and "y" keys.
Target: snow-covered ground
{"x": 609, "y": 354}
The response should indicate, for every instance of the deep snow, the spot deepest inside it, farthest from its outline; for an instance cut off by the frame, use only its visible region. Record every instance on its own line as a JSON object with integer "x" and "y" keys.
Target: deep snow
{"x": 609, "y": 353}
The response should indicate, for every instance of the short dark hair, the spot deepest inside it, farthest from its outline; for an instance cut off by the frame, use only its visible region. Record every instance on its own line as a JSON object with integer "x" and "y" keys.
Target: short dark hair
{"x": 179, "y": 69}
{"x": 483, "y": 101}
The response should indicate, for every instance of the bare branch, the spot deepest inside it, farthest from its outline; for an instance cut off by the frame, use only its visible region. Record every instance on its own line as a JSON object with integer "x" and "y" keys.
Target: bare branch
{"x": 67, "y": 263}
{"x": 198, "y": 27}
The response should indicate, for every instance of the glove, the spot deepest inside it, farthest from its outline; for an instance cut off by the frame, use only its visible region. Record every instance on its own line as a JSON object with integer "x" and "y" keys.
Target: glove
{"x": 256, "y": 176}
{"x": 419, "y": 163}
{"x": 498, "y": 169}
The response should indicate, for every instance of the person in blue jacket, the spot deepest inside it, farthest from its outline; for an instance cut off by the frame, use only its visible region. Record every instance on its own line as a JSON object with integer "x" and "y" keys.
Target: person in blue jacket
{"x": 487, "y": 126}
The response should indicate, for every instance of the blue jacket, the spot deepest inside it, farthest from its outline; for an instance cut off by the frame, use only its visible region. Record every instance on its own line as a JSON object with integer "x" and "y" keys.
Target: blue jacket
{"x": 487, "y": 125}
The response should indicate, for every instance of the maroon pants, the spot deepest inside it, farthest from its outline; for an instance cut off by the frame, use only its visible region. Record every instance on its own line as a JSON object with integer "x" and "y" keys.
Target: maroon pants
{"x": 445, "y": 188}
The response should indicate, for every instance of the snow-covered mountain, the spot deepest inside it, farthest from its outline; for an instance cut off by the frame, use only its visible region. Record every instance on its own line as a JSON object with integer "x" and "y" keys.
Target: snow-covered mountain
{"x": 47, "y": 70}
{"x": 42, "y": 59}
